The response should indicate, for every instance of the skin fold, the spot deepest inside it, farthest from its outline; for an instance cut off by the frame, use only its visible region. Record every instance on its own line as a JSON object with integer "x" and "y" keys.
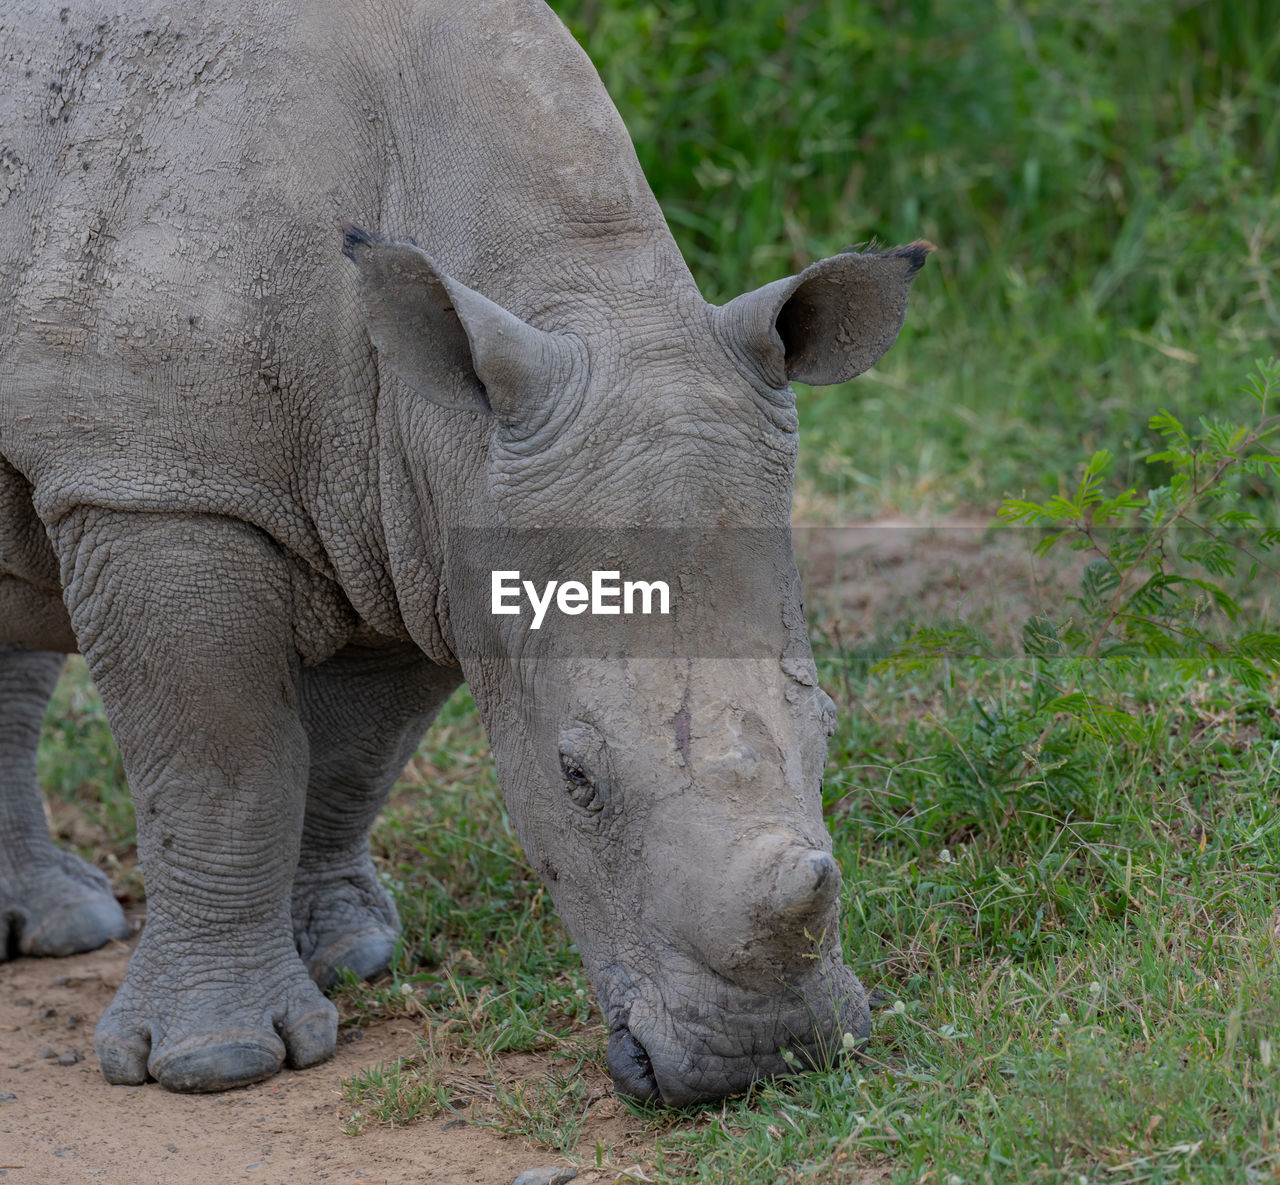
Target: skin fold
{"x": 315, "y": 315}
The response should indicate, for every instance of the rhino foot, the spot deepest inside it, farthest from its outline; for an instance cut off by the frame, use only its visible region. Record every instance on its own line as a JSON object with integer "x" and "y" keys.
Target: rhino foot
{"x": 62, "y": 908}
{"x": 196, "y": 1019}
{"x": 344, "y": 921}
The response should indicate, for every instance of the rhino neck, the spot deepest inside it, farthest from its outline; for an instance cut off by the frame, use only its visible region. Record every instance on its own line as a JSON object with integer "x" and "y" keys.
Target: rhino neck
{"x": 418, "y": 455}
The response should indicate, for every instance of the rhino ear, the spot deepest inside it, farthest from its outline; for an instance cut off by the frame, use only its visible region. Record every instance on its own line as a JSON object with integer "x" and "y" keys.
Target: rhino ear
{"x": 454, "y": 347}
{"x": 829, "y": 323}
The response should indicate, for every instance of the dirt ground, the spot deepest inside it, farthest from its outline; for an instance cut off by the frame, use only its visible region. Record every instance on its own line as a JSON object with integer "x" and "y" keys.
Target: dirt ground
{"x": 60, "y": 1122}
{"x": 863, "y": 578}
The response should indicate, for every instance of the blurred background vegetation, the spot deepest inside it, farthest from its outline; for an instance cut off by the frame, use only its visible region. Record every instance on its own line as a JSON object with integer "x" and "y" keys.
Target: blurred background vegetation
{"x": 1100, "y": 178}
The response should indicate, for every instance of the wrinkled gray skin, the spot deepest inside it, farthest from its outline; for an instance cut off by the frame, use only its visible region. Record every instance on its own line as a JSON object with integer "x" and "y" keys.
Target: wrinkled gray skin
{"x": 244, "y": 476}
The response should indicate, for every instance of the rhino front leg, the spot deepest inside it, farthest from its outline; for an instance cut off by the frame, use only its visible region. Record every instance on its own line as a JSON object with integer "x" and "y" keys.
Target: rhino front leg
{"x": 365, "y": 712}
{"x": 187, "y": 626}
{"x": 51, "y": 902}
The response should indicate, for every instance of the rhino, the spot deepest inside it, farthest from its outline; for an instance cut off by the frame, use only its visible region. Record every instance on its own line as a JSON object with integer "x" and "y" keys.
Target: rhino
{"x": 313, "y": 317}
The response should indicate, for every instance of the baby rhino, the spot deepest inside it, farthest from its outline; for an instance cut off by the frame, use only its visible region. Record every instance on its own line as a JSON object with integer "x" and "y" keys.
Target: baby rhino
{"x": 259, "y": 465}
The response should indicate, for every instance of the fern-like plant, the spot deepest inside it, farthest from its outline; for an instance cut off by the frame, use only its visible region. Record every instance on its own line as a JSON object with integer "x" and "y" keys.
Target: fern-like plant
{"x": 1165, "y": 572}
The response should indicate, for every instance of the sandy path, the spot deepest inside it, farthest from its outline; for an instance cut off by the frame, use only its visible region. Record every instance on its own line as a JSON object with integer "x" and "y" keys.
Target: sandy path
{"x": 65, "y": 1124}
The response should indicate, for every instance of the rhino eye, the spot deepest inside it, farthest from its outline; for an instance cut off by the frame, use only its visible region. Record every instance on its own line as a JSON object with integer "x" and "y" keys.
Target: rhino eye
{"x": 581, "y": 751}
{"x": 579, "y": 783}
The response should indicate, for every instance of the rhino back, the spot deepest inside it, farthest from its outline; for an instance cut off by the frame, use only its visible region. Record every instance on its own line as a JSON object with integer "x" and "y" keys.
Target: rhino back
{"x": 183, "y": 331}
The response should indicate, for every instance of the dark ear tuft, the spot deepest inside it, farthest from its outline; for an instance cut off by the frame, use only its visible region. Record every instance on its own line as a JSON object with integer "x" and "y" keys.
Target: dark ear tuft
{"x": 915, "y": 253}
{"x": 354, "y": 236}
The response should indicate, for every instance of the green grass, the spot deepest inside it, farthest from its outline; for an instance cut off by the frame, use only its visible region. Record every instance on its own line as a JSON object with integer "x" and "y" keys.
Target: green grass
{"x": 392, "y": 1094}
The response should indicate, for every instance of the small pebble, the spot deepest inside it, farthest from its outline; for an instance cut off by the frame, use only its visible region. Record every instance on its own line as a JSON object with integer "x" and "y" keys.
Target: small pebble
{"x": 73, "y": 1022}
{"x": 554, "y": 1175}
{"x": 7, "y": 1098}
{"x": 23, "y": 1001}
{"x": 46, "y": 1013}
{"x": 48, "y": 1051}
{"x": 452, "y": 1124}
{"x": 69, "y": 1058}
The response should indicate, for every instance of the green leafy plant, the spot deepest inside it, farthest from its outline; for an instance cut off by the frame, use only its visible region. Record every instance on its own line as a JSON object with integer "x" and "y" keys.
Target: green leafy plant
{"x": 1159, "y": 581}
{"x": 1164, "y": 575}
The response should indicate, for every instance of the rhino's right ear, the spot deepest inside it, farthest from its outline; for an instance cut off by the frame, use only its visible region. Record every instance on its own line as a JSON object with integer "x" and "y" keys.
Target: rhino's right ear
{"x": 454, "y": 347}
{"x": 827, "y": 324}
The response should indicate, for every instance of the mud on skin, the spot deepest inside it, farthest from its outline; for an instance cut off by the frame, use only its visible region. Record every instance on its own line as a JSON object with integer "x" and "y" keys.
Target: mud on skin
{"x": 258, "y": 471}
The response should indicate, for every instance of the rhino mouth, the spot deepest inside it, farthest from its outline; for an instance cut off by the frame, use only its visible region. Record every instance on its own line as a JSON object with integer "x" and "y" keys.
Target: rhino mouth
{"x": 684, "y": 1078}
{"x": 630, "y": 1067}
{"x": 699, "y": 1055}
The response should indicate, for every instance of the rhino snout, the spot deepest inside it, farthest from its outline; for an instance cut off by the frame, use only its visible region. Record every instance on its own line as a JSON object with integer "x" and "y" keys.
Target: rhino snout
{"x": 686, "y": 1035}
{"x": 761, "y": 913}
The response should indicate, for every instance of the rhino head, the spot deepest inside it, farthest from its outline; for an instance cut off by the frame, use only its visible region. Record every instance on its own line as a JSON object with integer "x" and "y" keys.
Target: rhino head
{"x": 663, "y": 771}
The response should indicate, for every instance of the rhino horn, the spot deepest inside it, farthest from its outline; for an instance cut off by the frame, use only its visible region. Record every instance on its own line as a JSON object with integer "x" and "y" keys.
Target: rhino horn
{"x": 453, "y": 346}
{"x": 828, "y": 323}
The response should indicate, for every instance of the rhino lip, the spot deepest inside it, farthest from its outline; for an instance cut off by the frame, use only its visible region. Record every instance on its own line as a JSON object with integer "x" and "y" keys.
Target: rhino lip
{"x": 630, "y": 1068}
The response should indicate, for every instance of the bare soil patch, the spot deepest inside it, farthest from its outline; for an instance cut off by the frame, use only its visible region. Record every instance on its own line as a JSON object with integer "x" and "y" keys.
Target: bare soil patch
{"x": 863, "y": 578}
{"x": 63, "y": 1122}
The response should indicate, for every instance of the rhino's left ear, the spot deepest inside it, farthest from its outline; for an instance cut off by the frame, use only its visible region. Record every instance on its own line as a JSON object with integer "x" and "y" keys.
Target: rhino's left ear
{"x": 827, "y": 324}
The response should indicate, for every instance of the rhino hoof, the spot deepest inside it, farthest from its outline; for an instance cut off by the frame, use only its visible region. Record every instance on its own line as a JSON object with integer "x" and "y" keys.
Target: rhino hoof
{"x": 290, "y": 1022}
{"x": 60, "y": 909}
{"x": 73, "y": 928}
{"x": 344, "y": 922}
{"x": 239, "y": 1057}
{"x": 219, "y": 1061}
{"x": 367, "y": 954}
